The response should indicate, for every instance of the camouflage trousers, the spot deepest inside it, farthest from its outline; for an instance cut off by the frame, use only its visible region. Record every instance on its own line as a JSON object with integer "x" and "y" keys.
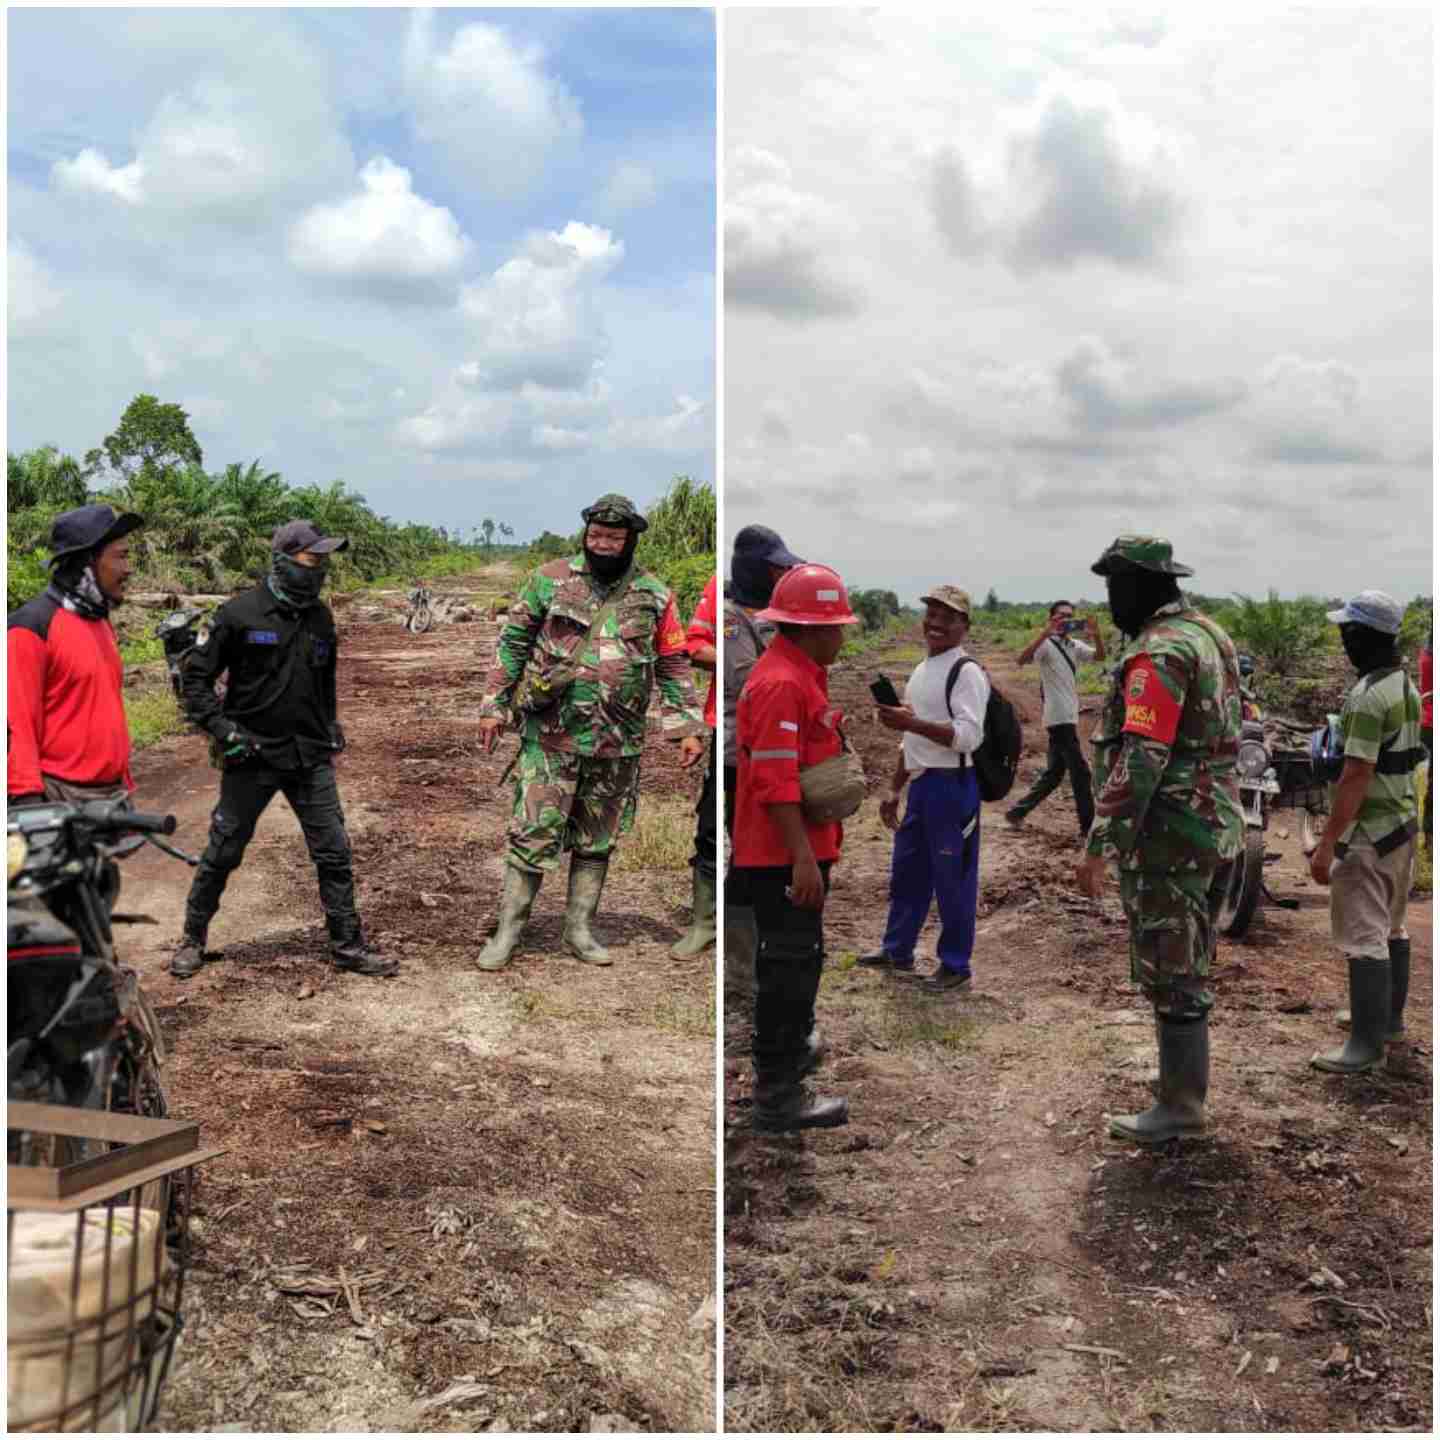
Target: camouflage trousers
{"x": 1172, "y": 935}
{"x": 569, "y": 802}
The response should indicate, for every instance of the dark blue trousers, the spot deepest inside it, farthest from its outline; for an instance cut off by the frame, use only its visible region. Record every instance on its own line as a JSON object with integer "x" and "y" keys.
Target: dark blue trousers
{"x": 937, "y": 855}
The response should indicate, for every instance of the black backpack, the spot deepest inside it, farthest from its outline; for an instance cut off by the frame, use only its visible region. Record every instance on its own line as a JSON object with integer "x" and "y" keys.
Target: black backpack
{"x": 998, "y": 756}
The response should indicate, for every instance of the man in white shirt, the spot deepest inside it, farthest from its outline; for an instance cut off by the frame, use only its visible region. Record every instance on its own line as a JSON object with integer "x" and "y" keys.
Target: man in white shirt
{"x": 937, "y": 846}
{"x": 1059, "y": 655}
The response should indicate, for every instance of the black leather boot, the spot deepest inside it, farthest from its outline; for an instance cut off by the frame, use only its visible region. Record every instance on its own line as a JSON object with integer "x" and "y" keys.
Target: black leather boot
{"x": 350, "y": 952}
{"x": 1369, "y": 1019}
{"x": 1184, "y": 1083}
{"x": 785, "y": 1102}
{"x": 189, "y": 956}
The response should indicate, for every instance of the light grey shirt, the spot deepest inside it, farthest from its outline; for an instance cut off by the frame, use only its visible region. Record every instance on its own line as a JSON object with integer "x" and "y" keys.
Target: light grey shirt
{"x": 925, "y": 695}
{"x": 1062, "y": 703}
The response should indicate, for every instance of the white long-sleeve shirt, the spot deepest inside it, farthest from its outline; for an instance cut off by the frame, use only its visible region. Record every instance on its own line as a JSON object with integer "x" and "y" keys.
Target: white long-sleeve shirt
{"x": 925, "y": 695}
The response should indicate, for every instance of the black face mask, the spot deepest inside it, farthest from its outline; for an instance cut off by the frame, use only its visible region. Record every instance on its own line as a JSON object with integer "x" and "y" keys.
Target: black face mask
{"x": 1135, "y": 595}
{"x": 1368, "y": 649}
{"x": 612, "y": 567}
{"x": 295, "y": 583}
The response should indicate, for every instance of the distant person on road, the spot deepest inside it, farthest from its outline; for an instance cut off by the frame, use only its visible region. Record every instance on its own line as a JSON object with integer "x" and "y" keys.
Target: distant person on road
{"x": 1427, "y": 735}
{"x": 1059, "y": 656}
{"x": 704, "y": 654}
{"x": 937, "y": 845}
{"x": 1168, "y": 813}
{"x": 68, "y": 737}
{"x": 759, "y": 558}
{"x": 785, "y": 727}
{"x": 591, "y": 638}
{"x": 1366, "y": 853}
{"x": 277, "y": 731}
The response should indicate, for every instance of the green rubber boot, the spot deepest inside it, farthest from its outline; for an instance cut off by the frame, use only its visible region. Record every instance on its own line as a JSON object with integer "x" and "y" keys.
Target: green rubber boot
{"x": 587, "y": 880}
{"x": 1370, "y": 1018}
{"x": 701, "y": 934}
{"x": 1184, "y": 1082}
{"x": 521, "y": 888}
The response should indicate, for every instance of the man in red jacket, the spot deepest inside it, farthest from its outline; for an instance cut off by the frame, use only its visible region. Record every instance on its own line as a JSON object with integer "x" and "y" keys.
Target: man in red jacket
{"x": 68, "y": 739}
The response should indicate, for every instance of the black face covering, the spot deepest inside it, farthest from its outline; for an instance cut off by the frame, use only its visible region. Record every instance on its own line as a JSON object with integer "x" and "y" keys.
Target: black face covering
{"x": 612, "y": 567}
{"x": 1368, "y": 649}
{"x": 750, "y": 581}
{"x": 1135, "y": 595}
{"x": 296, "y": 584}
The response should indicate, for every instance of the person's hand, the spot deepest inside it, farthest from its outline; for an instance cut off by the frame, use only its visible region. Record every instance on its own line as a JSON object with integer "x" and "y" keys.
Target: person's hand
{"x": 1056, "y": 626}
{"x": 1090, "y": 876}
{"x": 896, "y": 717}
{"x": 490, "y": 728}
{"x": 692, "y": 747}
{"x": 890, "y": 812}
{"x": 239, "y": 745}
{"x": 1322, "y": 861}
{"x": 807, "y": 889}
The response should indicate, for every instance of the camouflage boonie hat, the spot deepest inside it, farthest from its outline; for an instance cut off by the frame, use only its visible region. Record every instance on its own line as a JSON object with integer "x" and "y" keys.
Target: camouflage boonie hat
{"x": 951, "y": 596}
{"x": 615, "y": 509}
{"x": 1145, "y": 552}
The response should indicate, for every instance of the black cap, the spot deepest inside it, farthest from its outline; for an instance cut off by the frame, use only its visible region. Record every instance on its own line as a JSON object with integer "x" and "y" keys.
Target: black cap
{"x": 296, "y": 535}
{"x": 88, "y": 528}
{"x": 759, "y": 542}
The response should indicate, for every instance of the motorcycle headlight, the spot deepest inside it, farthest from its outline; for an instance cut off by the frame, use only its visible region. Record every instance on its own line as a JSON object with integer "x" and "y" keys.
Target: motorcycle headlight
{"x": 16, "y": 851}
{"x": 1253, "y": 759}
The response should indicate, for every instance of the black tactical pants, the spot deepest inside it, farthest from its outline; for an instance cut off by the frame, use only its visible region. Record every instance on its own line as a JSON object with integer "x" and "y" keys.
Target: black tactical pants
{"x": 1066, "y": 756}
{"x": 732, "y": 774}
{"x": 705, "y": 836}
{"x": 788, "y": 960}
{"x": 245, "y": 791}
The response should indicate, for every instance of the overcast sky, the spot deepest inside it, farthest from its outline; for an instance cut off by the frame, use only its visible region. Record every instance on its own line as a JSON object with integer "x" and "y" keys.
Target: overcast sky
{"x": 461, "y": 260}
{"x": 999, "y": 287}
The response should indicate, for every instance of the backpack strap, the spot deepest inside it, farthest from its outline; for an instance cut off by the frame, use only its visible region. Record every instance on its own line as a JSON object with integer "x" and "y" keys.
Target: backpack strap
{"x": 966, "y": 758}
{"x": 1065, "y": 655}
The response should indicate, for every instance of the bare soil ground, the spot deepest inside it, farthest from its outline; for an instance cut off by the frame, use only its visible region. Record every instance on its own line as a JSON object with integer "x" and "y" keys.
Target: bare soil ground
{"x": 451, "y": 1200}
{"x": 972, "y": 1252}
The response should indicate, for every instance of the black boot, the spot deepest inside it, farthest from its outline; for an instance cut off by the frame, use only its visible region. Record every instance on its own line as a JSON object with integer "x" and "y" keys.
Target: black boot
{"x": 350, "y": 952}
{"x": 1369, "y": 1019}
{"x": 189, "y": 956}
{"x": 1399, "y": 989}
{"x": 1184, "y": 1082}
{"x": 785, "y": 1102}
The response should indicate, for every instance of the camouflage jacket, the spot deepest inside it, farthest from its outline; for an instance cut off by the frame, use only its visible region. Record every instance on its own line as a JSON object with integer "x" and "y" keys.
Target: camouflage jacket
{"x": 601, "y": 712}
{"x": 1166, "y": 796}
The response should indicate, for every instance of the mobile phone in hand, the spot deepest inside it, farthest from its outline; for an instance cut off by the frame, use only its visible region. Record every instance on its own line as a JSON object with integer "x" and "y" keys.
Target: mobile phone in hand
{"x": 1076, "y": 627}
{"x": 883, "y": 691}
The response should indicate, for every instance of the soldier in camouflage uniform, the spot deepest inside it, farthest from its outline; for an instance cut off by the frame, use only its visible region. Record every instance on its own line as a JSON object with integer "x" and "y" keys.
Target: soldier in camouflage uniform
{"x": 1167, "y": 812}
{"x": 586, "y": 642}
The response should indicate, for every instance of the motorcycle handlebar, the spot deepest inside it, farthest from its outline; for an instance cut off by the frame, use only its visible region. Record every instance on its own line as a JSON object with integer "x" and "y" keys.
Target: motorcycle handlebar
{"x": 145, "y": 824}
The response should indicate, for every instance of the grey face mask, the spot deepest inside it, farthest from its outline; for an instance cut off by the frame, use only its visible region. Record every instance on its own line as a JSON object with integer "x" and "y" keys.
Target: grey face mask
{"x": 295, "y": 583}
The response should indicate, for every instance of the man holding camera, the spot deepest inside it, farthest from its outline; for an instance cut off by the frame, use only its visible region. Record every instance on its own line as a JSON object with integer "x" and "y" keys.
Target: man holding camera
{"x": 275, "y": 731}
{"x": 596, "y": 635}
{"x": 1059, "y": 655}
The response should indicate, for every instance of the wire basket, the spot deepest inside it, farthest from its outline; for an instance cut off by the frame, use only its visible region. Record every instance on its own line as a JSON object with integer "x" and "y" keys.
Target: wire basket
{"x": 98, "y": 1244}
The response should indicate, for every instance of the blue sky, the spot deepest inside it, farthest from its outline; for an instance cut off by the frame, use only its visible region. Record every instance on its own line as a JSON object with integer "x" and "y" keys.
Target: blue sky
{"x": 462, "y": 260}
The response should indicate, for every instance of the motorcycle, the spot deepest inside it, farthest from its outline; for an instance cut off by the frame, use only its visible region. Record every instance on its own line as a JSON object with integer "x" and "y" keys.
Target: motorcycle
{"x": 79, "y": 1028}
{"x": 1259, "y": 788}
{"x": 421, "y": 617}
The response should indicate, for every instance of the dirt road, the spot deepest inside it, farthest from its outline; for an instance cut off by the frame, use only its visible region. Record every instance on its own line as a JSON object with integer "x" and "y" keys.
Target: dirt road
{"x": 971, "y": 1252}
{"x": 451, "y": 1200}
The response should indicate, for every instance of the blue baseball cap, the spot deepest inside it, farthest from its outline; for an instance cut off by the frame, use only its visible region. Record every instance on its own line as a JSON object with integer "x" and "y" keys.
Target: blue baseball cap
{"x": 759, "y": 542}
{"x": 1373, "y": 609}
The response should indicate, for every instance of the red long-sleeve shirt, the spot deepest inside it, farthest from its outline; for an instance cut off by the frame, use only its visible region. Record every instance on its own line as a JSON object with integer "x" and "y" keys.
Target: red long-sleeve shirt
{"x": 702, "y": 632}
{"x": 784, "y": 723}
{"x": 64, "y": 712}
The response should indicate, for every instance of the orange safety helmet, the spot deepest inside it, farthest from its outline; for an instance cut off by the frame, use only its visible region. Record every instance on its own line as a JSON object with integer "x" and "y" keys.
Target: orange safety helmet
{"x": 810, "y": 595}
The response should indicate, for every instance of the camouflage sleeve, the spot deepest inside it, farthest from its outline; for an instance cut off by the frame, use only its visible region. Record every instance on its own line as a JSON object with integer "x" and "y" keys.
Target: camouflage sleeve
{"x": 1154, "y": 690}
{"x": 679, "y": 709}
{"x": 513, "y": 646}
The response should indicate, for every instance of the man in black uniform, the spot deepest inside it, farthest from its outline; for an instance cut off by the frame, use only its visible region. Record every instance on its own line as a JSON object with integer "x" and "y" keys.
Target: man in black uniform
{"x": 275, "y": 730}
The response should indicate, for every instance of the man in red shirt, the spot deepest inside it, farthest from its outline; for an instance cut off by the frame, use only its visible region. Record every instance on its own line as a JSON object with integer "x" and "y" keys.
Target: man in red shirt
{"x": 784, "y": 723}
{"x": 700, "y": 641}
{"x": 1427, "y": 734}
{"x": 68, "y": 738}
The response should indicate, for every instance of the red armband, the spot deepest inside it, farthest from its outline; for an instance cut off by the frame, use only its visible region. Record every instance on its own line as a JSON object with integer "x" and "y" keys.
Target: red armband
{"x": 1150, "y": 708}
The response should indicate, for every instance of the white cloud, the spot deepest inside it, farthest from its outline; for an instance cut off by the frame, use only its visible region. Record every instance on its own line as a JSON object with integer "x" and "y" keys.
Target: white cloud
{"x": 90, "y": 172}
{"x": 782, "y": 244}
{"x": 489, "y": 101}
{"x": 32, "y": 293}
{"x": 385, "y": 234}
{"x": 630, "y": 187}
{"x": 535, "y": 318}
{"x": 1307, "y": 412}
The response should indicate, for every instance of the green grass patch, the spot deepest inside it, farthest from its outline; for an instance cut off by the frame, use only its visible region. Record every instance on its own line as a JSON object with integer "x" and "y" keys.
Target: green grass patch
{"x": 662, "y": 838}
{"x": 142, "y": 649}
{"x": 1092, "y": 678}
{"x": 151, "y": 716}
{"x": 685, "y": 1014}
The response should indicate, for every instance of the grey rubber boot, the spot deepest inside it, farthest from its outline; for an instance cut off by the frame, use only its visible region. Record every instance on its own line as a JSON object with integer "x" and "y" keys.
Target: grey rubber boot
{"x": 701, "y": 934}
{"x": 785, "y": 1103}
{"x": 1369, "y": 1020}
{"x": 189, "y": 956}
{"x": 516, "y": 899}
{"x": 1184, "y": 1082}
{"x": 587, "y": 881}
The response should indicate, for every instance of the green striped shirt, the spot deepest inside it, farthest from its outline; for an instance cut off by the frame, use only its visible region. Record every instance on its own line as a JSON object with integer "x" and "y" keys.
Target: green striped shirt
{"x": 1388, "y": 708}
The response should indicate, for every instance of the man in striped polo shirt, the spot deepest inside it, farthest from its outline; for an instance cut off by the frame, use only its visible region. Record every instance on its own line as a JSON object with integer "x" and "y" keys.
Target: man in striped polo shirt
{"x": 1367, "y": 852}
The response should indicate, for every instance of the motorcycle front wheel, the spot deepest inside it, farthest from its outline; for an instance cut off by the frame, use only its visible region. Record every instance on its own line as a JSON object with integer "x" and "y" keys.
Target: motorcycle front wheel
{"x": 1242, "y": 894}
{"x": 420, "y": 621}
